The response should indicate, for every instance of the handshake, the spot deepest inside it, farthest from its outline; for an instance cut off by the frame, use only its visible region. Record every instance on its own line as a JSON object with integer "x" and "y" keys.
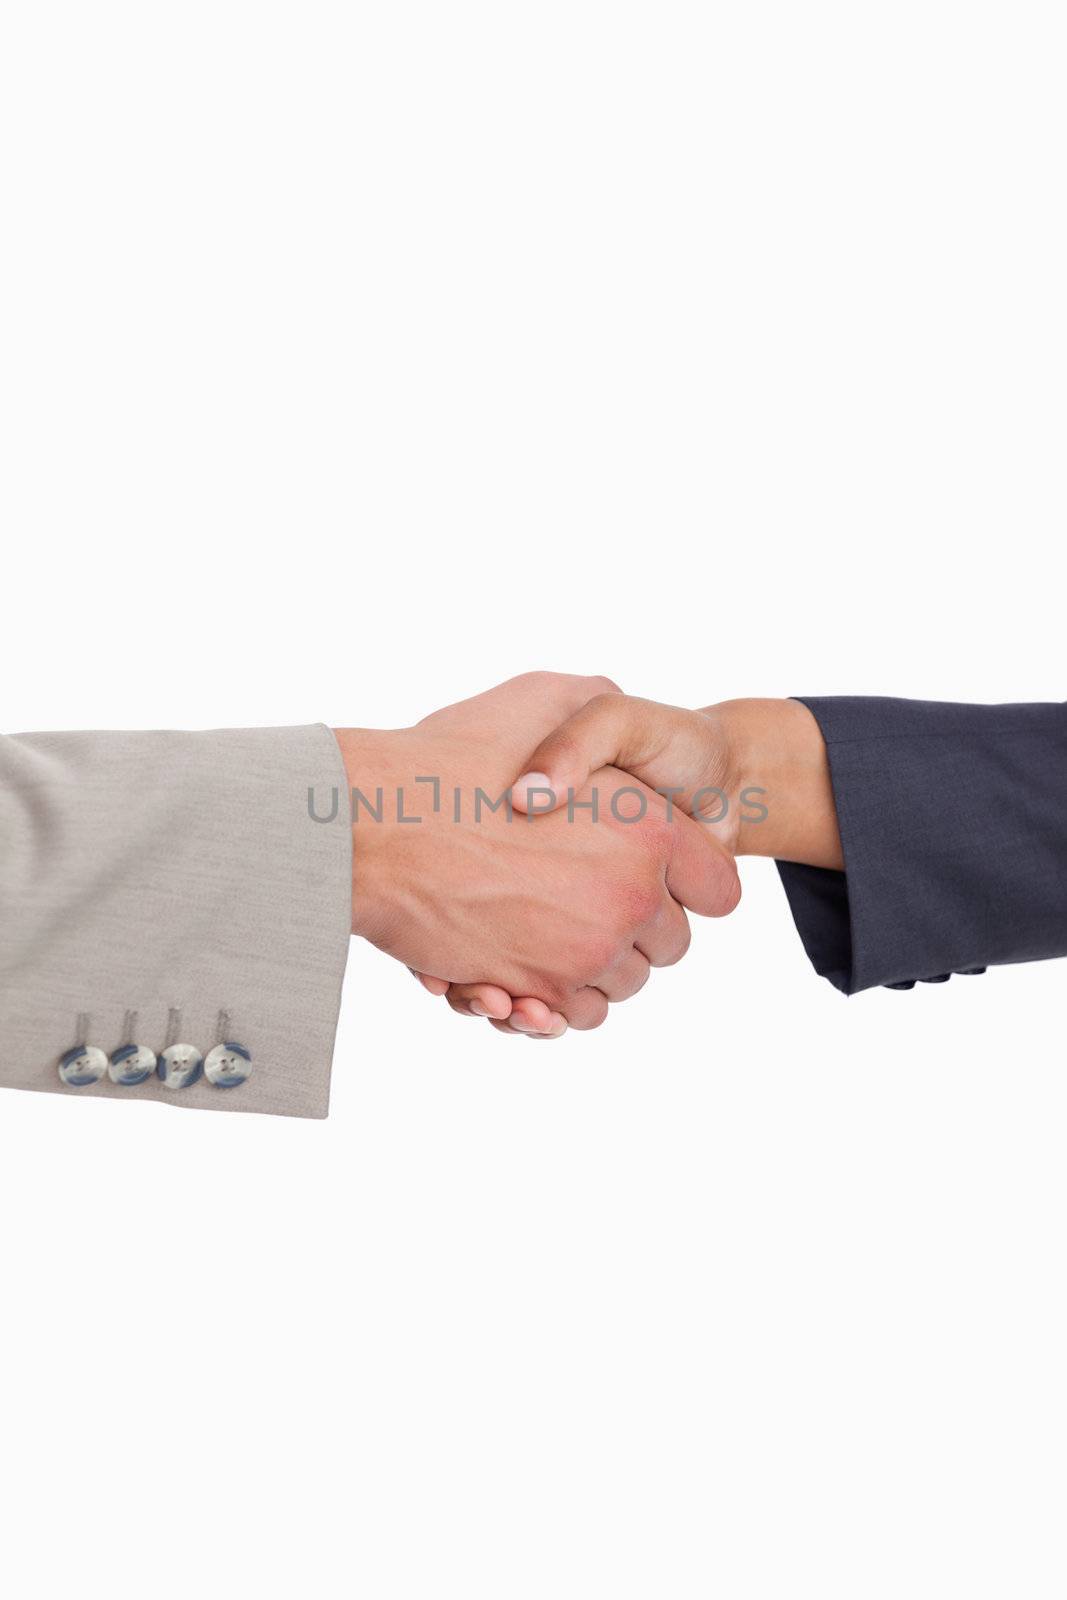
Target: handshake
{"x": 532, "y": 853}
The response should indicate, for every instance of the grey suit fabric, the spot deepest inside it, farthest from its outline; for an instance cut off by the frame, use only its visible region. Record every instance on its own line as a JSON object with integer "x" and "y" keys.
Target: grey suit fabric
{"x": 150, "y": 871}
{"x": 953, "y": 824}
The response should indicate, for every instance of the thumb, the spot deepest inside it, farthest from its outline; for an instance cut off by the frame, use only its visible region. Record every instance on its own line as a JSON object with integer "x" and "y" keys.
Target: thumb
{"x": 701, "y": 874}
{"x": 611, "y": 730}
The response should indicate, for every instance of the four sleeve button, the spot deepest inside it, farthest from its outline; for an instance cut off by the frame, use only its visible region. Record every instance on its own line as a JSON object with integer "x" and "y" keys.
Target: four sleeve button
{"x": 226, "y": 1066}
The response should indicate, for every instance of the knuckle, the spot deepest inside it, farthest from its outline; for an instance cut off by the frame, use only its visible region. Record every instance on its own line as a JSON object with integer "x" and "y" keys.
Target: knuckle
{"x": 601, "y": 953}
{"x": 646, "y": 904}
{"x": 639, "y": 979}
{"x": 731, "y": 894}
{"x": 603, "y": 687}
{"x": 636, "y": 903}
{"x": 539, "y": 679}
{"x": 655, "y": 834}
{"x": 563, "y": 751}
{"x": 603, "y": 705}
{"x": 553, "y": 991}
{"x": 677, "y": 948}
{"x": 589, "y": 1012}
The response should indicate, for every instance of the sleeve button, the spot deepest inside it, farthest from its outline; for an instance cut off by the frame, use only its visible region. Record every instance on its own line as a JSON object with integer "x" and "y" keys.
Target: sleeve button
{"x": 227, "y": 1065}
{"x": 179, "y": 1066}
{"x": 131, "y": 1064}
{"x": 82, "y": 1065}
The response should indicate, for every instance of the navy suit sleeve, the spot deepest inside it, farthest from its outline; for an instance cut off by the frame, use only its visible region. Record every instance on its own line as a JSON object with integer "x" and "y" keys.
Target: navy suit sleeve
{"x": 953, "y": 826}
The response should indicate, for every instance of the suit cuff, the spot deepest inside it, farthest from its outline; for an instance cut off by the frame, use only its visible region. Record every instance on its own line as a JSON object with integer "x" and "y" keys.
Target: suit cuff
{"x": 952, "y": 829}
{"x": 178, "y": 878}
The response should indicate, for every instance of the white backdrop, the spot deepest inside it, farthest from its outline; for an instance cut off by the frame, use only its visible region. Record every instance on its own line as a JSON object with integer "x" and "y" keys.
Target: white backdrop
{"x": 353, "y": 358}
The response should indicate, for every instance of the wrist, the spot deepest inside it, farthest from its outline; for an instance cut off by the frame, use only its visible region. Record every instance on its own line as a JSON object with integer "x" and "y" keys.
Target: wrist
{"x": 377, "y": 766}
{"x": 780, "y": 775}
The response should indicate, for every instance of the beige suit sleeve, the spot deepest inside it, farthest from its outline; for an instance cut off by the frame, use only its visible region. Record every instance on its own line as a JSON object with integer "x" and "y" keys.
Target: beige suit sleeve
{"x": 177, "y": 877}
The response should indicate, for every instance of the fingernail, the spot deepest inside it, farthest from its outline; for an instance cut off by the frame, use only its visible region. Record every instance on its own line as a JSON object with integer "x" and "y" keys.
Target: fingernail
{"x": 478, "y": 1009}
{"x": 522, "y": 1027}
{"x": 543, "y": 793}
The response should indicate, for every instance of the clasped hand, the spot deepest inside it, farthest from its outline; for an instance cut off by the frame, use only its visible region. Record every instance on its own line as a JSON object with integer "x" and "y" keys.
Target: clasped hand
{"x": 514, "y": 853}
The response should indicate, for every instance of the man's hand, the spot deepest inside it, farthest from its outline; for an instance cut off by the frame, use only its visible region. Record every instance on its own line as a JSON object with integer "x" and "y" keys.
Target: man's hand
{"x": 754, "y": 772}
{"x": 570, "y": 910}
